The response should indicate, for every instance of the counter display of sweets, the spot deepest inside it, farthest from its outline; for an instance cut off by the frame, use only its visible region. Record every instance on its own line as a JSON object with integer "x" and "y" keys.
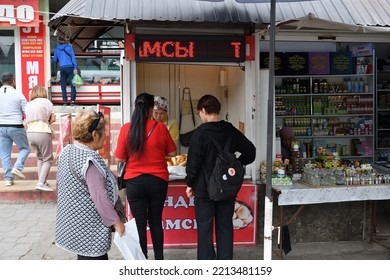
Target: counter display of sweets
{"x": 362, "y": 175}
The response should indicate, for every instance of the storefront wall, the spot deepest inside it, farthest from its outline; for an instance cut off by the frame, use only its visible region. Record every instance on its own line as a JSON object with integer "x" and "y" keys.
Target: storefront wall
{"x": 25, "y": 43}
{"x": 342, "y": 221}
{"x": 313, "y": 224}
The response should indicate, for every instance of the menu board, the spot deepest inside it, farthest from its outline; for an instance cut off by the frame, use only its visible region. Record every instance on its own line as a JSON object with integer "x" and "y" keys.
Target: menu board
{"x": 319, "y": 63}
{"x": 264, "y": 62}
{"x": 296, "y": 63}
{"x": 341, "y": 63}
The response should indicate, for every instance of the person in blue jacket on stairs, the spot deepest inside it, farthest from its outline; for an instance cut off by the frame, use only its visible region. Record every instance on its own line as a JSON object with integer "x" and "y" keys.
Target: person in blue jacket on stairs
{"x": 65, "y": 56}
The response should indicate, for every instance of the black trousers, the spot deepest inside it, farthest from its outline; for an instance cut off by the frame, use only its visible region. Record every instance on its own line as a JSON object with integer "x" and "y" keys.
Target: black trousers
{"x": 207, "y": 214}
{"x": 146, "y": 195}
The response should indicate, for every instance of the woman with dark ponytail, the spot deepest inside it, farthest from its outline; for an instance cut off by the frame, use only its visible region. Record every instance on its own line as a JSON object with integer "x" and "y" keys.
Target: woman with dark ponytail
{"x": 144, "y": 143}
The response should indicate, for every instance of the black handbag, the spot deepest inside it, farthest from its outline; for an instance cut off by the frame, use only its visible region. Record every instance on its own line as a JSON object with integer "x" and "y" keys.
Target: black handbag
{"x": 185, "y": 138}
{"x": 120, "y": 210}
{"x": 121, "y": 172}
{"x": 121, "y": 166}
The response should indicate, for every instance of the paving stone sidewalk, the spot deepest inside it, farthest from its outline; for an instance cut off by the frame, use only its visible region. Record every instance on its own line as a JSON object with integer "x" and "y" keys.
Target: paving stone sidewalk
{"x": 27, "y": 233}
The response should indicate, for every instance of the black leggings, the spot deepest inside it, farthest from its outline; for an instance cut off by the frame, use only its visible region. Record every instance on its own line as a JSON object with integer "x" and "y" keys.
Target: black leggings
{"x": 146, "y": 195}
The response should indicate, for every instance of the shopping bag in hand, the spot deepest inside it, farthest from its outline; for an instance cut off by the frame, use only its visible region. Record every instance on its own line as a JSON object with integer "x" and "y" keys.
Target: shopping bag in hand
{"x": 128, "y": 243}
{"x": 77, "y": 80}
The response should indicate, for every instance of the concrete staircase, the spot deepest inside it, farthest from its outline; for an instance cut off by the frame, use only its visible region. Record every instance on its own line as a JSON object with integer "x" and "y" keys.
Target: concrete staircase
{"x": 23, "y": 190}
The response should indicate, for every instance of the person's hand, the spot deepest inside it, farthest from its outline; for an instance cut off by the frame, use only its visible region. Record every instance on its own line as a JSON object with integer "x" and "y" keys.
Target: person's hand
{"x": 189, "y": 192}
{"x": 75, "y": 71}
{"x": 120, "y": 228}
{"x": 52, "y": 118}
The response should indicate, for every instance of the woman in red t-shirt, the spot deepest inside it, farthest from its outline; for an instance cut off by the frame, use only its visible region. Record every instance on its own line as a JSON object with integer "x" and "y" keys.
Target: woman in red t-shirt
{"x": 143, "y": 144}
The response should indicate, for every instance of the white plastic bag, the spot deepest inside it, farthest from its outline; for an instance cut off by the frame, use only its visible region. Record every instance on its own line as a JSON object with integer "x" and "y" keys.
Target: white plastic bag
{"x": 177, "y": 170}
{"x": 128, "y": 243}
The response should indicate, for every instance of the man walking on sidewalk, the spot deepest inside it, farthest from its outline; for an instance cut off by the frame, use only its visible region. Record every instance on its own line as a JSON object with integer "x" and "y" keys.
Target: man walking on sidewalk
{"x": 12, "y": 108}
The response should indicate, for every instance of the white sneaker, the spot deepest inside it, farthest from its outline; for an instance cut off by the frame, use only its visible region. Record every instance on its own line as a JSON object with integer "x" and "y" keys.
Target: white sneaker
{"x": 17, "y": 172}
{"x": 43, "y": 187}
{"x": 9, "y": 183}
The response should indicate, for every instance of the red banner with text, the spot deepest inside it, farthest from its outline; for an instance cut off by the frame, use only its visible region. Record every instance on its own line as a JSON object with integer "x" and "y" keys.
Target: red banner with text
{"x": 105, "y": 151}
{"x": 32, "y": 49}
{"x": 19, "y": 13}
{"x": 179, "y": 223}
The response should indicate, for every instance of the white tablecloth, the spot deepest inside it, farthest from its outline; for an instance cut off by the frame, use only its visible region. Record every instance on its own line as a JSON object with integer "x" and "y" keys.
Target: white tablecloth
{"x": 299, "y": 194}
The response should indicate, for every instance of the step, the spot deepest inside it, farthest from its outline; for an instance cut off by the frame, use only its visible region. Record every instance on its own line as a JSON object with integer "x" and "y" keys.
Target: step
{"x": 24, "y": 191}
{"x": 31, "y": 172}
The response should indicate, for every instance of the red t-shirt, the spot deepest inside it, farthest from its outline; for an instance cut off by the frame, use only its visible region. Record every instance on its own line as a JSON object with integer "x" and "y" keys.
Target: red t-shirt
{"x": 152, "y": 160}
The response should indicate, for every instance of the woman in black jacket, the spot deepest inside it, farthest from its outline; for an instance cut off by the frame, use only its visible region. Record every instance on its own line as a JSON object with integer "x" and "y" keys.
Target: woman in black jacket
{"x": 202, "y": 155}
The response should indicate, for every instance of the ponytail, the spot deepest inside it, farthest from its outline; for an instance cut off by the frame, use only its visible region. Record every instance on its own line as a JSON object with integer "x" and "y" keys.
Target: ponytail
{"x": 143, "y": 103}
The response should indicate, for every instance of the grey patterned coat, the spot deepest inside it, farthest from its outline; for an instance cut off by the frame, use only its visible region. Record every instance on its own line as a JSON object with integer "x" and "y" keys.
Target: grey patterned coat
{"x": 79, "y": 227}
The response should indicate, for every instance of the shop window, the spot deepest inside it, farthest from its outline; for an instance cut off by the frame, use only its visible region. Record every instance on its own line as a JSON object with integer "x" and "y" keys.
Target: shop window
{"x": 95, "y": 68}
{"x": 7, "y": 51}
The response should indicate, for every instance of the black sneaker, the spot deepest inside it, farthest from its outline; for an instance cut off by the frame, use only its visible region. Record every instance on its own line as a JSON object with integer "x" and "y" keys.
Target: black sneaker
{"x": 72, "y": 103}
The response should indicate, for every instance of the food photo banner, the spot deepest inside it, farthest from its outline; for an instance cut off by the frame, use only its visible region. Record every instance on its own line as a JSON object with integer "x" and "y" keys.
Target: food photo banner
{"x": 179, "y": 221}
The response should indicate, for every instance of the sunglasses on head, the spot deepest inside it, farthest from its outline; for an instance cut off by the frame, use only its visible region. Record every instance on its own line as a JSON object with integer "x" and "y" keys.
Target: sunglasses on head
{"x": 95, "y": 122}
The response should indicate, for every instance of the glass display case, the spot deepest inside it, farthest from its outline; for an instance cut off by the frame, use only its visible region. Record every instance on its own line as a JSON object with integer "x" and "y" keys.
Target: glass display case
{"x": 331, "y": 111}
{"x": 383, "y": 109}
{"x": 101, "y": 75}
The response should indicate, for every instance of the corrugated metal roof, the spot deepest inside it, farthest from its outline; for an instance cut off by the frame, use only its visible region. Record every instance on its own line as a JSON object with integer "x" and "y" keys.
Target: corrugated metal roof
{"x": 363, "y": 12}
{"x": 149, "y": 12}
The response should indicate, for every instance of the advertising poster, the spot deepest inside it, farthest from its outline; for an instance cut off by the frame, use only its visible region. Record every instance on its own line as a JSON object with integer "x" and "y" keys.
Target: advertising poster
{"x": 319, "y": 63}
{"x": 105, "y": 152}
{"x": 179, "y": 223}
{"x": 32, "y": 50}
{"x": 19, "y": 13}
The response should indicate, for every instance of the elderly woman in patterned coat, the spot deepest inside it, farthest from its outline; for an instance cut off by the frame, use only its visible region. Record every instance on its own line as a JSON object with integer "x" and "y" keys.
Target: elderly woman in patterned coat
{"x": 87, "y": 193}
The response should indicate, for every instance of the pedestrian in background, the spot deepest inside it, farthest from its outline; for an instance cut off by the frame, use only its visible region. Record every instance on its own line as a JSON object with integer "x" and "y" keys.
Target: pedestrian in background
{"x": 143, "y": 144}
{"x": 202, "y": 155}
{"x": 87, "y": 192}
{"x": 39, "y": 117}
{"x": 160, "y": 114}
{"x": 12, "y": 109}
{"x": 64, "y": 55}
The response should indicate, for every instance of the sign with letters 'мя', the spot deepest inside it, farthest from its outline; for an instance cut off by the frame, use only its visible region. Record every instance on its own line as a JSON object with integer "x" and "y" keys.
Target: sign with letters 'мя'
{"x": 176, "y": 48}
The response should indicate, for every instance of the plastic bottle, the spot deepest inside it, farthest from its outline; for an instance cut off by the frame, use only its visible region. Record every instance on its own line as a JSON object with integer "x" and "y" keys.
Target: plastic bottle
{"x": 349, "y": 85}
{"x": 356, "y": 85}
{"x": 361, "y": 85}
{"x": 303, "y": 150}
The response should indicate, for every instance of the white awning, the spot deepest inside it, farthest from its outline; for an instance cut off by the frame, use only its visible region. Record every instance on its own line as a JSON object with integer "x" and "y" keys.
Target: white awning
{"x": 312, "y": 22}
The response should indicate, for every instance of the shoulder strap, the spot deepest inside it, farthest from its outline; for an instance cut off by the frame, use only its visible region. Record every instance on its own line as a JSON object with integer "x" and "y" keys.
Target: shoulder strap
{"x": 71, "y": 167}
{"x": 66, "y": 52}
{"x": 219, "y": 147}
{"x": 151, "y": 130}
{"x": 216, "y": 144}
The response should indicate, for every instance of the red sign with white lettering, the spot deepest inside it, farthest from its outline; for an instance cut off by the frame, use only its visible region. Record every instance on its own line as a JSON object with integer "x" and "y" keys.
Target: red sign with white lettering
{"x": 32, "y": 50}
{"x": 19, "y": 13}
{"x": 179, "y": 223}
{"x": 105, "y": 151}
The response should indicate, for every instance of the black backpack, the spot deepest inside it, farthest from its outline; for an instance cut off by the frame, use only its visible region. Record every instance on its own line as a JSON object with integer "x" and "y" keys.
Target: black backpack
{"x": 227, "y": 176}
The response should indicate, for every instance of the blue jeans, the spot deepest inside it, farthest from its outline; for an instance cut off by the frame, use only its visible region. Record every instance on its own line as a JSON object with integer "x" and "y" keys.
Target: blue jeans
{"x": 66, "y": 76}
{"x": 8, "y": 135}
